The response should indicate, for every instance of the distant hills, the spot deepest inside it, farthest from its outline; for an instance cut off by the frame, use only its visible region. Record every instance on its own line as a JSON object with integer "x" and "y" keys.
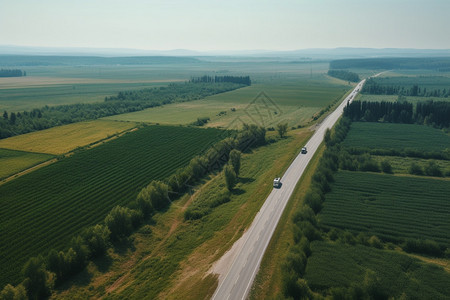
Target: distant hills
{"x": 303, "y": 54}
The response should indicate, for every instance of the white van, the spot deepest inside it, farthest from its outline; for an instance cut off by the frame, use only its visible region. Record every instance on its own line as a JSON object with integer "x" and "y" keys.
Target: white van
{"x": 277, "y": 182}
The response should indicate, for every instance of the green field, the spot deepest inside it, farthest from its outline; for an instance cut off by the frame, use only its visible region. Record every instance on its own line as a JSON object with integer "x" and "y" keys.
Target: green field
{"x": 54, "y": 85}
{"x": 12, "y": 161}
{"x": 62, "y": 139}
{"x": 339, "y": 265}
{"x": 401, "y": 164}
{"x": 391, "y": 207}
{"x": 396, "y": 136}
{"x": 289, "y": 100}
{"x": 45, "y": 208}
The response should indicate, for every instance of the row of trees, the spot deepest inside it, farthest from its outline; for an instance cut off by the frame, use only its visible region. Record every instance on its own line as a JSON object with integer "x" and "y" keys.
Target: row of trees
{"x": 389, "y": 63}
{"x": 245, "y": 80}
{"x": 12, "y": 73}
{"x": 436, "y": 113}
{"x": 373, "y": 87}
{"x": 42, "y": 274}
{"x": 344, "y": 75}
{"x": 38, "y": 119}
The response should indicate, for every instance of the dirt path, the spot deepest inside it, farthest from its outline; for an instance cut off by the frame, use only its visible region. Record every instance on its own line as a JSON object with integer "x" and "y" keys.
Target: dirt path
{"x": 121, "y": 283}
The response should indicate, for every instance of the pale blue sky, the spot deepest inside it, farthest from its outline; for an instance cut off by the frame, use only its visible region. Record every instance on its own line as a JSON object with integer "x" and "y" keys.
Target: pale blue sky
{"x": 226, "y": 25}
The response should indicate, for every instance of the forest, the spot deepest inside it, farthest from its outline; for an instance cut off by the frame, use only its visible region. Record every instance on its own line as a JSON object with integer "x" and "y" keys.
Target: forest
{"x": 434, "y": 113}
{"x": 12, "y": 73}
{"x": 374, "y": 87}
{"x": 344, "y": 75}
{"x": 441, "y": 64}
{"x": 233, "y": 79}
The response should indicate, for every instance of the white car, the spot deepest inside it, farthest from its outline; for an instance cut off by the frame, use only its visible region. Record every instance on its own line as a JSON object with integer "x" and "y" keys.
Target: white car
{"x": 277, "y": 182}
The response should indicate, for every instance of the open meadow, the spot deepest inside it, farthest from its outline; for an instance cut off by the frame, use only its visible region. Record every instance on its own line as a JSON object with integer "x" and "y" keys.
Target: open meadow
{"x": 46, "y": 208}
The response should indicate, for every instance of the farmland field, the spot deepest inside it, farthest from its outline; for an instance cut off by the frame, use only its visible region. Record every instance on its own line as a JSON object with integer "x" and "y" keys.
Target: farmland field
{"x": 339, "y": 265}
{"x": 429, "y": 82}
{"x": 12, "y": 161}
{"x": 391, "y": 207}
{"x": 62, "y": 139}
{"x": 55, "y": 85}
{"x": 401, "y": 164}
{"x": 295, "y": 102}
{"x": 45, "y": 208}
{"x": 396, "y": 136}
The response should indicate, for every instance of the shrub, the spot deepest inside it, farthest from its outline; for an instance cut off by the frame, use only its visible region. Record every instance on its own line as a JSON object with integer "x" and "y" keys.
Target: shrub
{"x": 428, "y": 247}
{"x": 10, "y": 292}
{"x": 432, "y": 169}
{"x": 415, "y": 169}
{"x": 386, "y": 167}
{"x": 374, "y": 241}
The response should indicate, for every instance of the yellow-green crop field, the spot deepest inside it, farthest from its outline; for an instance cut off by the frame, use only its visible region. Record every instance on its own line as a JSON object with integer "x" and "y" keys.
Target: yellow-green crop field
{"x": 63, "y": 139}
{"x": 12, "y": 161}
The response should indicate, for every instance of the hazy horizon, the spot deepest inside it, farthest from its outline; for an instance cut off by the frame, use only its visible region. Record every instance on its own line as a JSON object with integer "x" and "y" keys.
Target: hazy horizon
{"x": 202, "y": 25}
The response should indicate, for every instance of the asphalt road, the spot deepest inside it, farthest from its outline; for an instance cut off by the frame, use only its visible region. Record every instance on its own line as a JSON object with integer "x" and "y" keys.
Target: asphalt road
{"x": 237, "y": 282}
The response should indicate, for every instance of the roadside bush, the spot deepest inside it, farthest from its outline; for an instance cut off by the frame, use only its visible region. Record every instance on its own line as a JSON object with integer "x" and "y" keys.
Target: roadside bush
{"x": 309, "y": 231}
{"x": 314, "y": 199}
{"x": 195, "y": 213}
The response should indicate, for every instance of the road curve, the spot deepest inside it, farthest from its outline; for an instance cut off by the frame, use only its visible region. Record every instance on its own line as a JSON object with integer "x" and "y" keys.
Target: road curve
{"x": 237, "y": 282}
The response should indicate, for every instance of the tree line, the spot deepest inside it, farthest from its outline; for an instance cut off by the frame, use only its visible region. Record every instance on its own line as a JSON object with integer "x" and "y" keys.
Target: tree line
{"x": 43, "y": 273}
{"x": 233, "y": 79}
{"x": 435, "y": 113}
{"x": 344, "y": 75}
{"x": 12, "y": 73}
{"x": 373, "y": 87}
{"x": 388, "y": 63}
{"x": 15, "y": 123}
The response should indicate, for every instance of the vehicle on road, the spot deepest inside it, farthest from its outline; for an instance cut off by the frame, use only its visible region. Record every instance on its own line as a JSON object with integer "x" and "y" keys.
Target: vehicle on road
{"x": 304, "y": 151}
{"x": 277, "y": 182}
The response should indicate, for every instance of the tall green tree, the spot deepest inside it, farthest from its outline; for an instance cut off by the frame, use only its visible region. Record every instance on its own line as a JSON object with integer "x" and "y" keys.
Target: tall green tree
{"x": 282, "y": 129}
{"x": 230, "y": 177}
{"x": 235, "y": 160}
{"x": 37, "y": 282}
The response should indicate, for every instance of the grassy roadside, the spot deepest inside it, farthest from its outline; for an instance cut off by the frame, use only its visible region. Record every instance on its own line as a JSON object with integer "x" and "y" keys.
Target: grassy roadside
{"x": 268, "y": 281}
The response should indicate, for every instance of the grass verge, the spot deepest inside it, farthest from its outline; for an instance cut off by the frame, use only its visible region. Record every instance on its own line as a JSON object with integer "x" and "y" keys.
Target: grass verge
{"x": 268, "y": 281}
